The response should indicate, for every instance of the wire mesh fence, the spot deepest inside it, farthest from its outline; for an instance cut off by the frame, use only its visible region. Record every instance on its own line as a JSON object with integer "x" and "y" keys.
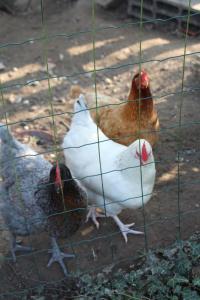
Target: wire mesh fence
{"x": 172, "y": 212}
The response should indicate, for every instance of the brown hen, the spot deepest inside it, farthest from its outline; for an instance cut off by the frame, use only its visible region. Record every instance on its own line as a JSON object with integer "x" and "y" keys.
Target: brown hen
{"x": 65, "y": 209}
{"x": 135, "y": 119}
{"x": 67, "y": 202}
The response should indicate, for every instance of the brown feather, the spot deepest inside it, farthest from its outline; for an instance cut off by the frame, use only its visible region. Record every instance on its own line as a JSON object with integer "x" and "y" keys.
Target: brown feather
{"x": 137, "y": 118}
{"x": 66, "y": 209}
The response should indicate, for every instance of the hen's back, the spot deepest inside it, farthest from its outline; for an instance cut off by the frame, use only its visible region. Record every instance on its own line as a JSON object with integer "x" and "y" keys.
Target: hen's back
{"x": 21, "y": 170}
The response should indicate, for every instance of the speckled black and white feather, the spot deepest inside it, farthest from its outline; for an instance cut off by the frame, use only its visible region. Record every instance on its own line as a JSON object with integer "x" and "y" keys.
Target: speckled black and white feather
{"x": 21, "y": 170}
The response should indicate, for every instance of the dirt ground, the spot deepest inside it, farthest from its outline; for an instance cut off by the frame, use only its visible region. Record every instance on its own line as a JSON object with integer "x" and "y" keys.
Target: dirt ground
{"x": 70, "y": 57}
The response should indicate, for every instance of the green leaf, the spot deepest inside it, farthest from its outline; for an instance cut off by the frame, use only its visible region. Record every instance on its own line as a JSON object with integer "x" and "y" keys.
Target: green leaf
{"x": 196, "y": 282}
{"x": 195, "y": 251}
{"x": 155, "y": 287}
{"x": 183, "y": 264}
{"x": 177, "y": 280}
{"x": 119, "y": 284}
{"x": 87, "y": 279}
{"x": 174, "y": 298}
{"x": 189, "y": 294}
{"x": 177, "y": 290}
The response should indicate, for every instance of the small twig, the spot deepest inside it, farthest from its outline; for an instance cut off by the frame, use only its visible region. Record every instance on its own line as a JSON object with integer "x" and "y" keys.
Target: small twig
{"x": 94, "y": 254}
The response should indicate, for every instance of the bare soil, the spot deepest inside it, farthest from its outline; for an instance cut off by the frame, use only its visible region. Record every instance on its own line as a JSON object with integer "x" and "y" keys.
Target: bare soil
{"x": 173, "y": 210}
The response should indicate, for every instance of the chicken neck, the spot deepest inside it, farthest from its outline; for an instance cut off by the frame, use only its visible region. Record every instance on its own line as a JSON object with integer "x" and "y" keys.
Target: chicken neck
{"x": 139, "y": 101}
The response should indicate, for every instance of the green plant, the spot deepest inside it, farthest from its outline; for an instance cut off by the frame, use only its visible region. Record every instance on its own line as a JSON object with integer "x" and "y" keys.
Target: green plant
{"x": 164, "y": 274}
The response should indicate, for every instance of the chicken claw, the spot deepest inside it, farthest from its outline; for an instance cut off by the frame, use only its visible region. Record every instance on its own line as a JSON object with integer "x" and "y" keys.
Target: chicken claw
{"x": 125, "y": 228}
{"x": 15, "y": 246}
{"x": 93, "y": 214}
{"x": 58, "y": 256}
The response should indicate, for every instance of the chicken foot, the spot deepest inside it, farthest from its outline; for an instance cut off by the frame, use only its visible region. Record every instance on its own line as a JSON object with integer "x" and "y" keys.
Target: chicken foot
{"x": 93, "y": 214}
{"x": 15, "y": 246}
{"x": 58, "y": 256}
{"x": 125, "y": 228}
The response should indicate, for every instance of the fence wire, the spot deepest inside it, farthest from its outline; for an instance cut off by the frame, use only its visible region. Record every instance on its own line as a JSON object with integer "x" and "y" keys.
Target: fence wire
{"x": 45, "y": 38}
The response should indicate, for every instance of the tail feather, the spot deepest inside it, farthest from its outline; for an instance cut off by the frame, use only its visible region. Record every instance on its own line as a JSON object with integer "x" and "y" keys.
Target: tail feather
{"x": 81, "y": 112}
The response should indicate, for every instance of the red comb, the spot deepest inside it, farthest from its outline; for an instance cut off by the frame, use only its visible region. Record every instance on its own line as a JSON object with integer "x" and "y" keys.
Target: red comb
{"x": 144, "y": 153}
{"x": 57, "y": 177}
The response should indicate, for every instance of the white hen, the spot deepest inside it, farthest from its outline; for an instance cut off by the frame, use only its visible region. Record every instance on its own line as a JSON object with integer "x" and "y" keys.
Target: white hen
{"x": 128, "y": 173}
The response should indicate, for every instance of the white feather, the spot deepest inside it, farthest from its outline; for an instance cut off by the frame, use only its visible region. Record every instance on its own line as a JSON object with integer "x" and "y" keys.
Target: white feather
{"x": 122, "y": 178}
